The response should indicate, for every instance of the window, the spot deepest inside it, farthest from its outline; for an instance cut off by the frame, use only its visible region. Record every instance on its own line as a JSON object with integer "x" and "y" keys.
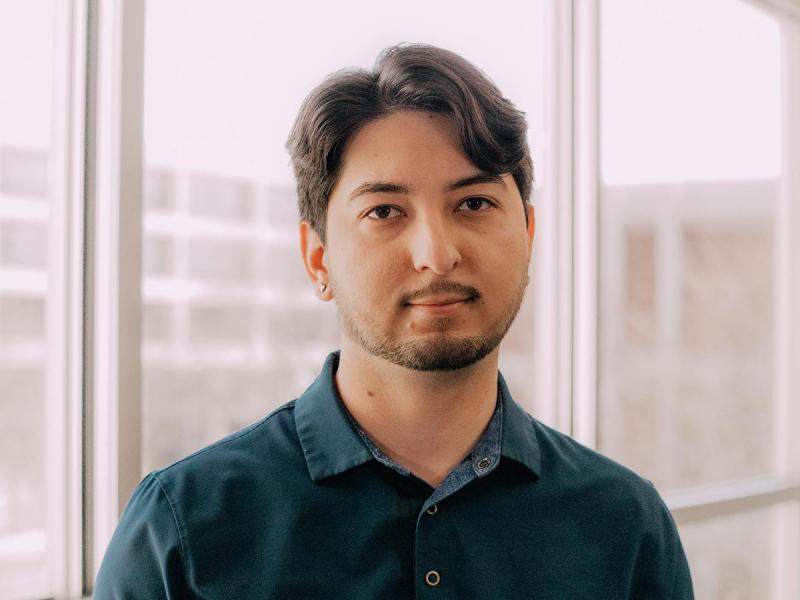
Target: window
{"x": 689, "y": 279}
{"x": 31, "y": 492}
{"x": 159, "y": 301}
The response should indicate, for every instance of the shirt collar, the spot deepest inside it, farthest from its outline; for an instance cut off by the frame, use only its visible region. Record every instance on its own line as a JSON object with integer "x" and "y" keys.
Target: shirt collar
{"x": 331, "y": 445}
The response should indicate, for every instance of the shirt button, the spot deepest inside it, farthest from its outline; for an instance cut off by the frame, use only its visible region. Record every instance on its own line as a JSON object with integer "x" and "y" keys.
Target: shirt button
{"x": 432, "y": 510}
{"x": 483, "y": 463}
{"x": 432, "y": 578}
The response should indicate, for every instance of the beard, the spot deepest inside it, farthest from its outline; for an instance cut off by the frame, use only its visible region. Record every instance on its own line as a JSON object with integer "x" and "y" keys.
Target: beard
{"x": 441, "y": 351}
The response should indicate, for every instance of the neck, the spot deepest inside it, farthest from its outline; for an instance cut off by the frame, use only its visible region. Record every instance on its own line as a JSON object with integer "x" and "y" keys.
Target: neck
{"x": 425, "y": 421}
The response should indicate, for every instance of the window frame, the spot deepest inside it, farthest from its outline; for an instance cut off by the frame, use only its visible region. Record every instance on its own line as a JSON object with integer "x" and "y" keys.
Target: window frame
{"x": 114, "y": 101}
{"x": 64, "y": 360}
{"x": 581, "y": 209}
{"x": 95, "y": 394}
{"x": 783, "y": 489}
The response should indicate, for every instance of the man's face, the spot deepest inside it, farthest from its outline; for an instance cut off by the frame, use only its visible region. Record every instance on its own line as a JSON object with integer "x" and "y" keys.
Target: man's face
{"x": 401, "y": 234}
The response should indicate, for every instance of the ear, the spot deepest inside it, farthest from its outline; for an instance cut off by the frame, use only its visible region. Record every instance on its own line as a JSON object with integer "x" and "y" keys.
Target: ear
{"x": 531, "y": 227}
{"x": 313, "y": 254}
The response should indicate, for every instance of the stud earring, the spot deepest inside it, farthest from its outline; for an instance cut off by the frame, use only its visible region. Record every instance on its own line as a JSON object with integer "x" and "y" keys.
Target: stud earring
{"x": 323, "y": 287}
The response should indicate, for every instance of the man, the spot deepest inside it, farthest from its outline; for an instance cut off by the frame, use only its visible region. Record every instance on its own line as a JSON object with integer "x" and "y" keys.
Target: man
{"x": 406, "y": 470}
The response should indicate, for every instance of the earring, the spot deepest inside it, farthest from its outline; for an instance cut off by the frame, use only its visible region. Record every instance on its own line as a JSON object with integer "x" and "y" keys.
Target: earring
{"x": 323, "y": 287}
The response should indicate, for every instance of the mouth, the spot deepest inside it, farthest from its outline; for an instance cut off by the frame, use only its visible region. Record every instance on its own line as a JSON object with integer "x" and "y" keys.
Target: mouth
{"x": 441, "y": 309}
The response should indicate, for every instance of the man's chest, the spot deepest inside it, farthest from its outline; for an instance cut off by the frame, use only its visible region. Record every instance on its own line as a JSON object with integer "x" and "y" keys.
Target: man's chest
{"x": 387, "y": 545}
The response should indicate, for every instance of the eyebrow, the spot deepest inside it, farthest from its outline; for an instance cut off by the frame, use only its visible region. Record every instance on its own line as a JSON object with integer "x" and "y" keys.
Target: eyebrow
{"x": 385, "y": 187}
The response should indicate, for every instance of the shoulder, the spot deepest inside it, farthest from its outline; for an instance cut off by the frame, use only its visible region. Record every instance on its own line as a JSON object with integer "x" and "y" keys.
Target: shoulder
{"x": 249, "y": 457}
{"x": 584, "y": 473}
{"x": 271, "y": 435}
{"x": 171, "y": 508}
{"x": 146, "y": 555}
{"x": 616, "y": 503}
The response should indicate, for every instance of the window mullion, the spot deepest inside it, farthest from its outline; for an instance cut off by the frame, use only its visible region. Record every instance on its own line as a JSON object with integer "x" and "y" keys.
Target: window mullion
{"x": 787, "y": 324}
{"x": 114, "y": 164}
{"x": 786, "y": 551}
{"x": 64, "y": 376}
{"x": 586, "y": 124}
{"x": 552, "y": 256}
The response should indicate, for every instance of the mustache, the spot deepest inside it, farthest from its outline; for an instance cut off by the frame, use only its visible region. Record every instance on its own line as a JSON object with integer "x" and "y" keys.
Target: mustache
{"x": 443, "y": 287}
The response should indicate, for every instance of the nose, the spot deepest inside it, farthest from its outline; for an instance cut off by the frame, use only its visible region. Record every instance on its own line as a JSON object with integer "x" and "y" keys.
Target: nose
{"x": 433, "y": 246}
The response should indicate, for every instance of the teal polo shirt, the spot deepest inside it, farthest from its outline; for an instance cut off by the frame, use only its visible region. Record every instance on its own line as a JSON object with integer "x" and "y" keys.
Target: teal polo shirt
{"x": 302, "y": 504}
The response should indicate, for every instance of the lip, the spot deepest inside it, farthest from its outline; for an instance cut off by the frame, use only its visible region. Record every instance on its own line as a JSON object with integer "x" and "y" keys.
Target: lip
{"x": 440, "y": 309}
{"x": 440, "y": 300}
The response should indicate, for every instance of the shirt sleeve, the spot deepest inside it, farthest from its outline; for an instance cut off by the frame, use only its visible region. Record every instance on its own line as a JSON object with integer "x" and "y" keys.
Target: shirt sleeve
{"x": 144, "y": 558}
{"x": 662, "y": 571}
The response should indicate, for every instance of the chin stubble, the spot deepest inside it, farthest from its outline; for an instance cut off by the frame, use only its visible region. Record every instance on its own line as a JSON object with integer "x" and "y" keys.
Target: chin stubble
{"x": 447, "y": 354}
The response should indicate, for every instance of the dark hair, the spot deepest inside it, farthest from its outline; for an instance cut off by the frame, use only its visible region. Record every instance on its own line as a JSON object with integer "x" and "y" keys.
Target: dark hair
{"x": 491, "y": 130}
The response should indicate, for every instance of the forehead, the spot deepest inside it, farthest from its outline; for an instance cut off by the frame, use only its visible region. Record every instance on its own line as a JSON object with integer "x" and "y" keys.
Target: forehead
{"x": 406, "y": 143}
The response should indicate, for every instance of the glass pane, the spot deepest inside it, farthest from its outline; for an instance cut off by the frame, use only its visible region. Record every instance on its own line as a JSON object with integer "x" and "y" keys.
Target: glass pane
{"x": 26, "y": 80}
{"x": 690, "y": 181}
{"x": 744, "y": 556}
{"x": 232, "y": 327}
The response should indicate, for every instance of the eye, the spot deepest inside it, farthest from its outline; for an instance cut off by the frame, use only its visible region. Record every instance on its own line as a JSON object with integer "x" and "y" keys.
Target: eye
{"x": 382, "y": 212}
{"x": 475, "y": 201}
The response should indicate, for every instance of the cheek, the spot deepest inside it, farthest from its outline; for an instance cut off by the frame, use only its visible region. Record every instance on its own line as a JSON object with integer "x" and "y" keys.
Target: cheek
{"x": 501, "y": 252}
{"x": 382, "y": 277}
{"x": 502, "y": 264}
{"x": 370, "y": 275}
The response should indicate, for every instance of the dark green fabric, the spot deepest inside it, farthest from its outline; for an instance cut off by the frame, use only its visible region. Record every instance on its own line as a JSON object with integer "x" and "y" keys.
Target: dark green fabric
{"x": 297, "y": 506}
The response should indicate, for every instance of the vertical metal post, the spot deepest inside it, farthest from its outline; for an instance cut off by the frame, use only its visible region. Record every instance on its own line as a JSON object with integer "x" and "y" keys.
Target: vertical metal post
{"x": 586, "y": 135}
{"x": 553, "y": 244}
{"x": 114, "y": 168}
{"x": 64, "y": 358}
{"x": 786, "y": 517}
